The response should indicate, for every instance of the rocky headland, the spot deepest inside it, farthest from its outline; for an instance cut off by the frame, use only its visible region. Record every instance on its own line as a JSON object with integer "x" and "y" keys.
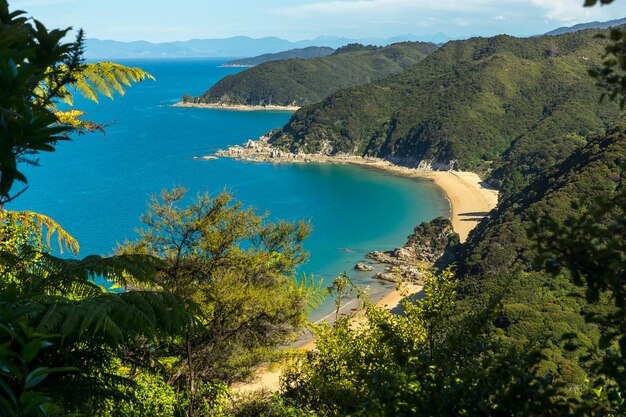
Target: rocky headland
{"x": 431, "y": 243}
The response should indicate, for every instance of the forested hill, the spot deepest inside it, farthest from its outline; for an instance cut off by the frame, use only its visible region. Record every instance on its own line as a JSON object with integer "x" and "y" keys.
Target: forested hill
{"x": 297, "y": 82}
{"x": 499, "y": 256}
{"x": 302, "y": 53}
{"x": 465, "y": 105}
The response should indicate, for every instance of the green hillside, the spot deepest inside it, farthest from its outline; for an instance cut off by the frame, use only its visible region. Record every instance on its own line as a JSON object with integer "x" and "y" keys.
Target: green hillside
{"x": 298, "y": 82}
{"x": 499, "y": 255}
{"x": 465, "y": 105}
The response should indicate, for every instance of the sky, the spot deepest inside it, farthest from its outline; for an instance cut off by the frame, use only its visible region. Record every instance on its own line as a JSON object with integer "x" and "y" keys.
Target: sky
{"x": 159, "y": 21}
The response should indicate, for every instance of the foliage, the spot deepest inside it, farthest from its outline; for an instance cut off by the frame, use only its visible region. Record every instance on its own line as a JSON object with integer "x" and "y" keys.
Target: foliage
{"x": 45, "y": 295}
{"x": 12, "y": 222}
{"x": 20, "y": 378}
{"x": 296, "y": 82}
{"x": 340, "y": 291}
{"x": 263, "y": 404}
{"x": 499, "y": 256}
{"x": 430, "y": 362}
{"x": 233, "y": 270}
{"x": 150, "y": 396}
{"x": 591, "y": 247}
{"x": 610, "y": 76}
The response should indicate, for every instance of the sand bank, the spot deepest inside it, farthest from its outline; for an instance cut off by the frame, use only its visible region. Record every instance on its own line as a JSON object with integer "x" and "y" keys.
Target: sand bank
{"x": 236, "y": 107}
{"x": 470, "y": 198}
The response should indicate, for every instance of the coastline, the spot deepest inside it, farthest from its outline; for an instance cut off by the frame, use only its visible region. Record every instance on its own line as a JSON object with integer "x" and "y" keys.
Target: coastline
{"x": 236, "y": 107}
{"x": 470, "y": 198}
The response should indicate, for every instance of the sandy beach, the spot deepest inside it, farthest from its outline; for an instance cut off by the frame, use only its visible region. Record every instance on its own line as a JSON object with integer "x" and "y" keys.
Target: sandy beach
{"x": 470, "y": 198}
{"x": 236, "y": 107}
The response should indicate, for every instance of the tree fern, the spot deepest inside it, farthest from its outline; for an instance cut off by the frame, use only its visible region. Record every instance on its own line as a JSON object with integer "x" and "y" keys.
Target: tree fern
{"x": 106, "y": 78}
{"x": 37, "y": 222}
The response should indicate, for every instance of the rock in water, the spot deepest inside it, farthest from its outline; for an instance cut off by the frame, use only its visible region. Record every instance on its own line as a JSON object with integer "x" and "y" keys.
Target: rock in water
{"x": 362, "y": 267}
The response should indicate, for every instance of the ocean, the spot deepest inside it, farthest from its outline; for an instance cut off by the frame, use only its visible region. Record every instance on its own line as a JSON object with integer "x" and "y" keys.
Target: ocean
{"x": 97, "y": 186}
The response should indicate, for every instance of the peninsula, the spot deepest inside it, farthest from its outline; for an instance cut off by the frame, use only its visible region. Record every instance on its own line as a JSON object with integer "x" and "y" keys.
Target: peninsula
{"x": 297, "y": 82}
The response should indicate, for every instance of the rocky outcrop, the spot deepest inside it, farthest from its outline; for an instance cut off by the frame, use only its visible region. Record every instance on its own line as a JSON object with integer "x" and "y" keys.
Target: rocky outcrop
{"x": 363, "y": 267}
{"x": 431, "y": 242}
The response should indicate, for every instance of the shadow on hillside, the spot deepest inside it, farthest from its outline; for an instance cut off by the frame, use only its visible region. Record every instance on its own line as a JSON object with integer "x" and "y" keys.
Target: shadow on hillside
{"x": 414, "y": 297}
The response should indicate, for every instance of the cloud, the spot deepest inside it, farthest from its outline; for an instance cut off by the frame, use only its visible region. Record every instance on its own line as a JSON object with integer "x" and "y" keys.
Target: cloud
{"x": 336, "y": 7}
{"x": 571, "y": 11}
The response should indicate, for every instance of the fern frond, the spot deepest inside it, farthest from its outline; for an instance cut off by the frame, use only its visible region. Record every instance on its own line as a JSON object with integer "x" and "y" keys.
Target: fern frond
{"x": 107, "y": 78}
{"x": 28, "y": 218}
{"x": 313, "y": 290}
{"x": 72, "y": 118}
{"x": 120, "y": 269}
{"x": 112, "y": 319}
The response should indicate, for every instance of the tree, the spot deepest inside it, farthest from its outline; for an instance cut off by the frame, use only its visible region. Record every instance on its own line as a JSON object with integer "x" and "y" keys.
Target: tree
{"x": 233, "y": 269}
{"x": 340, "y": 290}
{"x": 54, "y": 316}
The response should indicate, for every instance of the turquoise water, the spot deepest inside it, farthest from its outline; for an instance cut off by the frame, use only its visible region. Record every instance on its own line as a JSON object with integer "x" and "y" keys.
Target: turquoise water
{"x": 97, "y": 186}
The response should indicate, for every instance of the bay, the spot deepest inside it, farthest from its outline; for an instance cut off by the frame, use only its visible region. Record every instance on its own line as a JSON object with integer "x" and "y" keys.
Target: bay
{"x": 97, "y": 186}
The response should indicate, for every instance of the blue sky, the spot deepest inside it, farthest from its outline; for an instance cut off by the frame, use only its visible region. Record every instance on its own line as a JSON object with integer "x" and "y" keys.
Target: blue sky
{"x": 158, "y": 20}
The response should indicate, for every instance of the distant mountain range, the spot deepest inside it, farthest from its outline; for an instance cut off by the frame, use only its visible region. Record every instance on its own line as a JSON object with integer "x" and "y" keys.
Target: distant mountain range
{"x": 301, "y": 53}
{"x": 243, "y": 46}
{"x": 235, "y": 47}
{"x": 590, "y": 25}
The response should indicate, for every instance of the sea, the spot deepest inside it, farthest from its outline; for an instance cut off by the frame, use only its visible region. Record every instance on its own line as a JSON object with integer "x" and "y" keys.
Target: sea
{"x": 97, "y": 185}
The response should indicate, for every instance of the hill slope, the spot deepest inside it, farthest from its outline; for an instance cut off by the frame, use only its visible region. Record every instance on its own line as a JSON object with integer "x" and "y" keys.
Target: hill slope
{"x": 296, "y": 82}
{"x": 302, "y": 53}
{"x": 499, "y": 257}
{"x": 464, "y": 106}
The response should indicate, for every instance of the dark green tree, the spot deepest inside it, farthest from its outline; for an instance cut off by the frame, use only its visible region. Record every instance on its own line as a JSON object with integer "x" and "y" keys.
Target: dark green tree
{"x": 234, "y": 270}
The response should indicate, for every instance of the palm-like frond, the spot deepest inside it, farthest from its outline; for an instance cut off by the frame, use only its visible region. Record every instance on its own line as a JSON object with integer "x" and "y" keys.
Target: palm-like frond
{"x": 120, "y": 269}
{"x": 41, "y": 221}
{"x": 313, "y": 291}
{"x": 111, "y": 319}
{"x": 73, "y": 118}
{"x": 107, "y": 78}
{"x": 35, "y": 273}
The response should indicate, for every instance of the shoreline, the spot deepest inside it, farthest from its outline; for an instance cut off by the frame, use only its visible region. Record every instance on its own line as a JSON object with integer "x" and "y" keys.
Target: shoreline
{"x": 236, "y": 107}
{"x": 469, "y": 197}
